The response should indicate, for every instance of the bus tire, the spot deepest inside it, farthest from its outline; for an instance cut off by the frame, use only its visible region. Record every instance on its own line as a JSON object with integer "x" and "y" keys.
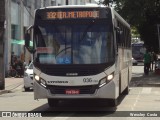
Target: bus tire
{"x": 26, "y": 89}
{"x": 126, "y": 91}
{"x": 52, "y": 102}
{"x": 113, "y": 103}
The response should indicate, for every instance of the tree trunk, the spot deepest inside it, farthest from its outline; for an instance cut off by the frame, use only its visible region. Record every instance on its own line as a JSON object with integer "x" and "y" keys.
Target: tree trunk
{"x": 2, "y": 18}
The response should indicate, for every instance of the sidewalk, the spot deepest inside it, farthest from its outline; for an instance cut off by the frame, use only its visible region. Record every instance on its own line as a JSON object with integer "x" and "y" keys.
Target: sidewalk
{"x": 151, "y": 80}
{"x": 10, "y": 84}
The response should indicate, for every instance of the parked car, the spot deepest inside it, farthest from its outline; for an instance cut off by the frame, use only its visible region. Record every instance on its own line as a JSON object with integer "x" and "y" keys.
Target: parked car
{"x": 28, "y": 77}
{"x": 134, "y": 62}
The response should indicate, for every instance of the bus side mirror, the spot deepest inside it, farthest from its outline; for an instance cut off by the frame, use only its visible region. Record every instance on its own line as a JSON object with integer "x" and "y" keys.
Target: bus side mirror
{"x": 27, "y": 40}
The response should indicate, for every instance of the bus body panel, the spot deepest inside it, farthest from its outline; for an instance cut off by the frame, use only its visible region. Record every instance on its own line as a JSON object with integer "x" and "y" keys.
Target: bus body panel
{"x": 108, "y": 91}
{"x": 74, "y": 80}
{"x": 125, "y": 68}
{"x": 112, "y": 87}
{"x": 124, "y": 60}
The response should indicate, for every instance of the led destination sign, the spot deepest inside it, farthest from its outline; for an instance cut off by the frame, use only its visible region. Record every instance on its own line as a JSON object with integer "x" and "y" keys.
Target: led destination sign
{"x": 72, "y": 14}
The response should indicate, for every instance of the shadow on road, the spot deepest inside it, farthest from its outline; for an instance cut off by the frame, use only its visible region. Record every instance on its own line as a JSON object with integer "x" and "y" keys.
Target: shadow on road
{"x": 76, "y": 108}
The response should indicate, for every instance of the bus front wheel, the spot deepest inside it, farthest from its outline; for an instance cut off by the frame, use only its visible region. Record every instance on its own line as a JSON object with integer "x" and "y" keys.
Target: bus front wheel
{"x": 52, "y": 102}
{"x": 113, "y": 103}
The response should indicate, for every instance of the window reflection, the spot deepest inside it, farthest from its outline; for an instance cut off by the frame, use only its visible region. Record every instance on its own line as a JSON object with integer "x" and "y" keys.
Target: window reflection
{"x": 72, "y": 44}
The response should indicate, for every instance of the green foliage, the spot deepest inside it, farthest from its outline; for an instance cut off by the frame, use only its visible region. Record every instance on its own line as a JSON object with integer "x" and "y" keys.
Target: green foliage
{"x": 144, "y": 15}
{"x": 134, "y": 32}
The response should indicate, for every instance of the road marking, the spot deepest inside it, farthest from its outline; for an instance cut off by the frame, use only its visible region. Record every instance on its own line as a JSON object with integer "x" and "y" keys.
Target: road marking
{"x": 146, "y": 90}
{"x": 136, "y": 101}
{"x": 62, "y": 118}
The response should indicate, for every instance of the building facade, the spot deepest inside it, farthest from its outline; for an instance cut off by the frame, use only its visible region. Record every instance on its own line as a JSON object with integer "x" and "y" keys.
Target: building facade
{"x": 19, "y": 16}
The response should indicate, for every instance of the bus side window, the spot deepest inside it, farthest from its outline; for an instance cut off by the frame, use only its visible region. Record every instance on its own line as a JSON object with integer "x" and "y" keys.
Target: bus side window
{"x": 119, "y": 36}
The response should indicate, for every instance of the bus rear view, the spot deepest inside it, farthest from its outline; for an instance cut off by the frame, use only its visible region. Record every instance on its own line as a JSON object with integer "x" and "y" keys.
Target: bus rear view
{"x": 74, "y": 54}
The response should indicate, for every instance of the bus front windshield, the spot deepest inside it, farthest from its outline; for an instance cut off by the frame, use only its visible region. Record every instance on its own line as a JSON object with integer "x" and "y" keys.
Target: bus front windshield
{"x": 74, "y": 43}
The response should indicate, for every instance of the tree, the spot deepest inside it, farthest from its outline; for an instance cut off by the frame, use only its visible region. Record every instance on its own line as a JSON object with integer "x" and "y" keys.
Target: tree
{"x": 144, "y": 15}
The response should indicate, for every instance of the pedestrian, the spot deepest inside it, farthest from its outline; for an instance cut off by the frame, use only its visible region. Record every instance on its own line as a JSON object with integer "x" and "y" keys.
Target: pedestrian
{"x": 152, "y": 61}
{"x": 14, "y": 62}
{"x": 12, "y": 57}
{"x": 155, "y": 57}
{"x": 19, "y": 67}
{"x": 147, "y": 60}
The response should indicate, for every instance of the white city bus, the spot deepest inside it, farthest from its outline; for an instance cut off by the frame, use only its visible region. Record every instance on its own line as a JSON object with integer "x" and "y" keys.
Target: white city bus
{"x": 80, "y": 52}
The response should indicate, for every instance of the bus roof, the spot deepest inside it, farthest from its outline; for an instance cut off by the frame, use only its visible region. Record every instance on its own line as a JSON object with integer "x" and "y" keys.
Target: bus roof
{"x": 89, "y": 6}
{"x": 119, "y": 17}
{"x": 75, "y": 6}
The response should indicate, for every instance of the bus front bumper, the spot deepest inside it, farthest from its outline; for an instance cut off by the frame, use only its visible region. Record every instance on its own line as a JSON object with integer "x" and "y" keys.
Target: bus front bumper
{"x": 108, "y": 91}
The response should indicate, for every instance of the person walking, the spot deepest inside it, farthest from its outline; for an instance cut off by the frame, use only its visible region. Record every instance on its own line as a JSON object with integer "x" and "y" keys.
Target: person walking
{"x": 19, "y": 68}
{"x": 147, "y": 61}
{"x": 152, "y": 61}
{"x": 155, "y": 57}
{"x": 12, "y": 58}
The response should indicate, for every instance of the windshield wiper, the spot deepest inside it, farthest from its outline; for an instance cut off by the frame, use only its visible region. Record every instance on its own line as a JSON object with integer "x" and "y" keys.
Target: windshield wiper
{"x": 86, "y": 30}
{"x": 62, "y": 51}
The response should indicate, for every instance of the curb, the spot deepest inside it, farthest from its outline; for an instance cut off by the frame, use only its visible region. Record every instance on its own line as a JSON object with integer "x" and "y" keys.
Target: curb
{"x": 148, "y": 85}
{"x": 4, "y": 91}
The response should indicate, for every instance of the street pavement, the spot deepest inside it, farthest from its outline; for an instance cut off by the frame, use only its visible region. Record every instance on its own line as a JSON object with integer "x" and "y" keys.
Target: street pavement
{"x": 141, "y": 80}
{"x": 11, "y": 84}
{"x": 138, "y": 80}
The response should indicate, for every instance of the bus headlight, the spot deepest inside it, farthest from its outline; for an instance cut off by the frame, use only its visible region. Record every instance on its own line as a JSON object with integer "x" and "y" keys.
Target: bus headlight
{"x": 37, "y": 77}
{"x": 102, "y": 82}
{"x": 110, "y": 77}
{"x": 43, "y": 82}
{"x": 40, "y": 80}
{"x": 106, "y": 80}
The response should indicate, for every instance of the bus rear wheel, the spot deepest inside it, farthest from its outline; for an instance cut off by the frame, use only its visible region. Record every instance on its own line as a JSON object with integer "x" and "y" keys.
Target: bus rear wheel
{"x": 126, "y": 91}
{"x": 53, "y": 102}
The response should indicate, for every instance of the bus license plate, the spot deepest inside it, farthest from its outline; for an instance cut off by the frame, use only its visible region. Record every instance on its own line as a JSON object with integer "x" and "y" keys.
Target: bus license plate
{"x": 72, "y": 91}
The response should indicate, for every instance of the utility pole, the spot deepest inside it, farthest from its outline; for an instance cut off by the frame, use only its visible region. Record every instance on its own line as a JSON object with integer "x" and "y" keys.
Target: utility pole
{"x": 158, "y": 30}
{"x": 66, "y": 2}
{"x": 2, "y": 20}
